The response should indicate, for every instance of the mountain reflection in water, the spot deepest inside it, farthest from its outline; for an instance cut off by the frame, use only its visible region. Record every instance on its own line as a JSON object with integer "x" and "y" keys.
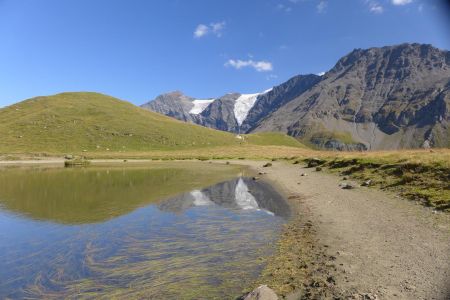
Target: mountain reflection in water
{"x": 238, "y": 194}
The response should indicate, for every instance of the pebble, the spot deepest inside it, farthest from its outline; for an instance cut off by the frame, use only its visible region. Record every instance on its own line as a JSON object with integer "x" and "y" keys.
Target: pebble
{"x": 262, "y": 292}
{"x": 367, "y": 183}
{"x": 346, "y": 186}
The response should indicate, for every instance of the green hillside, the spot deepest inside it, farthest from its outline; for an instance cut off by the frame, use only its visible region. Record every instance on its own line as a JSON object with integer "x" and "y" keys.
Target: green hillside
{"x": 76, "y": 122}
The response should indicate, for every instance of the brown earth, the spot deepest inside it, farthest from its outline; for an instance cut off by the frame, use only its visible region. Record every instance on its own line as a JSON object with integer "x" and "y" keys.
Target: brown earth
{"x": 368, "y": 244}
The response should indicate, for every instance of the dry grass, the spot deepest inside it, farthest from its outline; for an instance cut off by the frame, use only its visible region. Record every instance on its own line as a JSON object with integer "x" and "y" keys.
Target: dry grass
{"x": 439, "y": 157}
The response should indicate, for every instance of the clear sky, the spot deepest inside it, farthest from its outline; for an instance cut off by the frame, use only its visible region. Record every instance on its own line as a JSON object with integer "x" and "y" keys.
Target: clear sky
{"x": 136, "y": 50}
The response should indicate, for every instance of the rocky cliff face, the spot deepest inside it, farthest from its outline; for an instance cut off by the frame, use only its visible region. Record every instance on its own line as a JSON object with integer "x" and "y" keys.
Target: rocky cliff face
{"x": 380, "y": 98}
{"x": 276, "y": 98}
{"x": 220, "y": 114}
{"x": 173, "y": 104}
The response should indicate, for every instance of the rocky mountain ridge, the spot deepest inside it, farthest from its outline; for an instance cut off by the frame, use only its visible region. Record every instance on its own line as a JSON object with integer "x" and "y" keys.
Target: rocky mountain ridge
{"x": 379, "y": 98}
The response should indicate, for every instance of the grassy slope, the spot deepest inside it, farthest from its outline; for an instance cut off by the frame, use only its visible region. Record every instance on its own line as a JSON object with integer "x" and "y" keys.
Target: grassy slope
{"x": 77, "y": 122}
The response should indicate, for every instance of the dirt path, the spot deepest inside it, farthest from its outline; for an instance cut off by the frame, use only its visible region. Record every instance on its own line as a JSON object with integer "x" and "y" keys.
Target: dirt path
{"x": 387, "y": 247}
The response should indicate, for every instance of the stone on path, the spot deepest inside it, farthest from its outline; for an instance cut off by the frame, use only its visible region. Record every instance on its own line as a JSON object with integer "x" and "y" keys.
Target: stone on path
{"x": 262, "y": 292}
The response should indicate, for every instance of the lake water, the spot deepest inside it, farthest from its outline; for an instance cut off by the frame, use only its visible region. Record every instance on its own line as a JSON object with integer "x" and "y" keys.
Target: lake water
{"x": 154, "y": 232}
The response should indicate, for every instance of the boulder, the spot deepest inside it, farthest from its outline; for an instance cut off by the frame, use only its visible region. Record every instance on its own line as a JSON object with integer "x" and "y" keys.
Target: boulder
{"x": 262, "y": 292}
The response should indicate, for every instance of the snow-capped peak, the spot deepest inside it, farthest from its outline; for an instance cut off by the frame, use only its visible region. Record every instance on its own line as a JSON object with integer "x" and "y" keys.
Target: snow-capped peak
{"x": 200, "y": 105}
{"x": 244, "y": 104}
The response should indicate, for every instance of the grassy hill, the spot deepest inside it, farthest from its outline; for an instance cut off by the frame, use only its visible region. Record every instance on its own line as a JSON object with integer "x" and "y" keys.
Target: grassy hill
{"x": 92, "y": 122}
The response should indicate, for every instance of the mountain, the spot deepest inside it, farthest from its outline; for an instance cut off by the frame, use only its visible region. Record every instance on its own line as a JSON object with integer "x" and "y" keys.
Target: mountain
{"x": 94, "y": 122}
{"x": 173, "y": 104}
{"x": 226, "y": 113}
{"x": 380, "y": 98}
{"x": 234, "y": 112}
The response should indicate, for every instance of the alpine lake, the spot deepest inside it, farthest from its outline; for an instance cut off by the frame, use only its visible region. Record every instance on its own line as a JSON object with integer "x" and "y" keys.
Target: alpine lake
{"x": 175, "y": 230}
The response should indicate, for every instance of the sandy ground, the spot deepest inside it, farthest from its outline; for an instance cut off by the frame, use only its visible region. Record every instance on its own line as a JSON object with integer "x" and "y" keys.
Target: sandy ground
{"x": 384, "y": 246}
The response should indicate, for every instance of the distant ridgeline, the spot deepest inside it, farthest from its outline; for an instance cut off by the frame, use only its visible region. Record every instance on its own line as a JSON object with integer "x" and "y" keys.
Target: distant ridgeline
{"x": 392, "y": 97}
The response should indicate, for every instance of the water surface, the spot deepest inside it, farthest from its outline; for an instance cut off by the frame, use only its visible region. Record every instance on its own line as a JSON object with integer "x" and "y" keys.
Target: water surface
{"x": 150, "y": 232}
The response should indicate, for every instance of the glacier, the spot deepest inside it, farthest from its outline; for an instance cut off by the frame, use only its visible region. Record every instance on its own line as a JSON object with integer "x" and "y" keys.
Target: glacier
{"x": 244, "y": 104}
{"x": 200, "y": 105}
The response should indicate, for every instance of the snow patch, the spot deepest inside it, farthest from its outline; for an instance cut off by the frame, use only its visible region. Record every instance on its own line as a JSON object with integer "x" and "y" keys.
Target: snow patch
{"x": 200, "y": 105}
{"x": 244, "y": 104}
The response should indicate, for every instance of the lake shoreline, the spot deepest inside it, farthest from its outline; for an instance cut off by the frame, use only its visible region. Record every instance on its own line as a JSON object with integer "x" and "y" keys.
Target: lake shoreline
{"x": 341, "y": 243}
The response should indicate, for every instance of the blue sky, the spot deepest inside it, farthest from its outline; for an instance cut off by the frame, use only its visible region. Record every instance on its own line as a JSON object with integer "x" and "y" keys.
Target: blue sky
{"x": 136, "y": 50}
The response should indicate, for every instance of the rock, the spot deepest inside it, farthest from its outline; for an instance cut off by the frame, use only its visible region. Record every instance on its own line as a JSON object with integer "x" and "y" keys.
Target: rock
{"x": 227, "y": 163}
{"x": 367, "y": 183}
{"x": 346, "y": 186}
{"x": 410, "y": 287}
{"x": 318, "y": 169}
{"x": 267, "y": 165}
{"x": 262, "y": 173}
{"x": 314, "y": 162}
{"x": 345, "y": 178}
{"x": 68, "y": 156}
{"x": 426, "y": 144}
{"x": 262, "y": 292}
{"x": 255, "y": 178}
{"x": 365, "y": 296}
{"x": 303, "y": 174}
